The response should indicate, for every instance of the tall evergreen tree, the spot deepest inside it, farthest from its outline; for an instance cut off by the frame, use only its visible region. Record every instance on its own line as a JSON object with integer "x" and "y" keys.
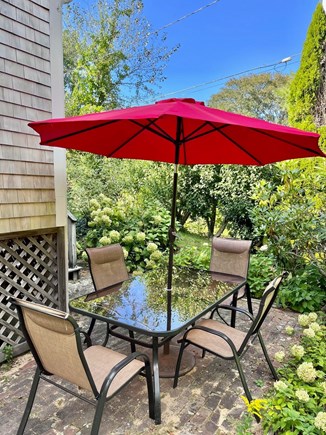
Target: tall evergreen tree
{"x": 307, "y": 98}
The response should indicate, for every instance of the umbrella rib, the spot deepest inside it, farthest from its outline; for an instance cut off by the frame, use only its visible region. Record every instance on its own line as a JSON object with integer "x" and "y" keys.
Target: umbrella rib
{"x": 143, "y": 127}
{"x": 286, "y": 141}
{"x": 75, "y": 133}
{"x": 158, "y": 132}
{"x": 259, "y": 162}
{"x": 189, "y": 137}
{"x": 219, "y": 129}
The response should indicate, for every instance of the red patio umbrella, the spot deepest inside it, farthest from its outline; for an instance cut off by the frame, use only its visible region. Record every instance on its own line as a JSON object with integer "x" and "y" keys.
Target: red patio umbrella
{"x": 179, "y": 131}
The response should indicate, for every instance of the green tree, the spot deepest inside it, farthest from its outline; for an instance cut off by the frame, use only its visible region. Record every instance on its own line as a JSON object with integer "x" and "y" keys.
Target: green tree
{"x": 198, "y": 194}
{"x": 292, "y": 214}
{"x": 110, "y": 56}
{"x": 257, "y": 95}
{"x": 261, "y": 96}
{"x": 307, "y": 98}
{"x": 110, "y": 59}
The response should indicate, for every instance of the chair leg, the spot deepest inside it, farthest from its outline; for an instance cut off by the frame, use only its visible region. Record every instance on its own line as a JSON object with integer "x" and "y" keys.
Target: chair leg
{"x": 98, "y": 413}
{"x": 177, "y": 368}
{"x": 106, "y": 339}
{"x": 269, "y": 362}
{"x": 30, "y": 402}
{"x": 242, "y": 377}
{"x": 249, "y": 302}
{"x": 132, "y": 343}
{"x": 150, "y": 390}
{"x": 91, "y": 327}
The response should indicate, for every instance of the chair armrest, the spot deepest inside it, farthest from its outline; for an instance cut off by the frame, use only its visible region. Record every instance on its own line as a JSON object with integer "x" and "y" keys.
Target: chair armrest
{"x": 237, "y": 309}
{"x": 116, "y": 369}
{"x": 213, "y": 332}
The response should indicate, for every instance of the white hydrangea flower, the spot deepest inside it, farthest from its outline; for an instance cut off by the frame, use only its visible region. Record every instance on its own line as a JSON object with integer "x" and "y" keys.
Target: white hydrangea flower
{"x": 115, "y": 236}
{"x": 151, "y": 247}
{"x": 279, "y": 356}
{"x": 105, "y": 241}
{"x": 289, "y": 330}
{"x": 313, "y": 317}
{"x": 280, "y": 385}
{"x": 140, "y": 237}
{"x": 156, "y": 255}
{"x": 297, "y": 351}
{"x": 307, "y": 372}
{"x": 302, "y": 395}
{"x": 315, "y": 326}
{"x": 303, "y": 320}
{"x": 320, "y": 421}
{"x": 323, "y": 385}
{"x": 309, "y": 332}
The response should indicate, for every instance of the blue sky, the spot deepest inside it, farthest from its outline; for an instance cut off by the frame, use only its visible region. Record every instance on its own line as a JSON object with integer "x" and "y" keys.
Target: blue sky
{"x": 226, "y": 38}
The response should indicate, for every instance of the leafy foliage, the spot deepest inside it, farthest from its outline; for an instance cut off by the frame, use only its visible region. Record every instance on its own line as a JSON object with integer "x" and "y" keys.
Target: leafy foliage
{"x": 110, "y": 56}
{"x": 140, "y": 227}
{"x": 305, "y": 87}
{"x": 304, "y": 291}
{"x": 262, "y": 270}
{"x": 257, "y": 95}
{"x": 297, "y": 403}
{"x": 236, "y": 199}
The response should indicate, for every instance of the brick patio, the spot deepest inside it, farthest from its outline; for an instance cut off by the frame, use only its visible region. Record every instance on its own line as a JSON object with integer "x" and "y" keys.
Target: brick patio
{"x": 206, "y": 401}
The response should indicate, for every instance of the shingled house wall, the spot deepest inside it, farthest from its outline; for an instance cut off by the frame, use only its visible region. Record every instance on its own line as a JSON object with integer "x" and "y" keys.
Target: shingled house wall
{"x": 32, "y": 178}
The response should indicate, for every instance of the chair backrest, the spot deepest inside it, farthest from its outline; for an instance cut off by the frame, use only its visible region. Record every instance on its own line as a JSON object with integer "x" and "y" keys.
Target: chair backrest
{"x": 265, "y": 305}
{"x": 54, "y": 339}
{"x": 230, "y": 256}
{"x": 107, "y": 265}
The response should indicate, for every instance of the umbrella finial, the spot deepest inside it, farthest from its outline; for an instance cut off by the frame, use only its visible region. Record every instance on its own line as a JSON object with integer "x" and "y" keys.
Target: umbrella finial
{"x": 182, "y": 100}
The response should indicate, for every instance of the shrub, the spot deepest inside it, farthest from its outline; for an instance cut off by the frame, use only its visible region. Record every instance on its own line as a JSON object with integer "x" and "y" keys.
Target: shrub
{"x": 261, "y": 271}
{"x": 297, "y": 403}
{"x": 304, "y": 291}
{"x": 140, "y": 227}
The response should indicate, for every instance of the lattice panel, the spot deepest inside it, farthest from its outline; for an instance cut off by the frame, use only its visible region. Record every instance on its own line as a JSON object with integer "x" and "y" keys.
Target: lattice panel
{"x": 28, "y": 270}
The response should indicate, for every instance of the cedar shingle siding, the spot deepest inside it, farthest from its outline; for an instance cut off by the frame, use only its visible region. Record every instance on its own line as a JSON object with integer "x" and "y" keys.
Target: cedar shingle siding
{"x": 26, "y": 168}
{"x": 32, "y": 237}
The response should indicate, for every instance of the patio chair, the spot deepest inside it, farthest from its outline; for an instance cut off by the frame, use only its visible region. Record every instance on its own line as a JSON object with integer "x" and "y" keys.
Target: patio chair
{"x": 232, "y": 256}
{"x": 107, "y": 267}
{"x": 55, "y": 342}
{"x": 230, "y": 343}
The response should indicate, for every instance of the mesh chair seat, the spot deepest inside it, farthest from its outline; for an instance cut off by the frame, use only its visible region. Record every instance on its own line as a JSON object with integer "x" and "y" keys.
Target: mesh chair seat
{"x": 214, "y": 343}
{"x": 101, "y": 360}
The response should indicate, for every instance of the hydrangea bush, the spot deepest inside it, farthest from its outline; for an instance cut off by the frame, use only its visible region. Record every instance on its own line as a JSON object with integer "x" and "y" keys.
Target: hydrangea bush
{"x": 141, "y": 229}
{"x": 296, "y": 405}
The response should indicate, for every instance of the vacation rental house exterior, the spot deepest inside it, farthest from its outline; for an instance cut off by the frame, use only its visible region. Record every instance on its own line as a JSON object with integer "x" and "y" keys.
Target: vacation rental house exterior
{"x": 33, "y": 215}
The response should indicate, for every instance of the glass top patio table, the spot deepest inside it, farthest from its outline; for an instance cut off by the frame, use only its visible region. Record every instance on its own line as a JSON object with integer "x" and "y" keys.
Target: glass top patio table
{"x": 140, "y": 303}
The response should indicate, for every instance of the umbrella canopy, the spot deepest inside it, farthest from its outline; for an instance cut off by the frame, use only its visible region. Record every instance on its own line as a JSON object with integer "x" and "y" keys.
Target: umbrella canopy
{"x": 179, "y": 131}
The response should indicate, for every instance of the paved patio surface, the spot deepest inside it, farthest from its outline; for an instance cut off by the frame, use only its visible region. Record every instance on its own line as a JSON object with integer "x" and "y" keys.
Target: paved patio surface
{"x": 206, "y": 401}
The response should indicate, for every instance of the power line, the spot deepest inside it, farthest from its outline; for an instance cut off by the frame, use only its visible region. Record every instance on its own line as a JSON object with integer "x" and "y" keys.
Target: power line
{"x": 184, "y": 17}
{"x": 284, "y": 61}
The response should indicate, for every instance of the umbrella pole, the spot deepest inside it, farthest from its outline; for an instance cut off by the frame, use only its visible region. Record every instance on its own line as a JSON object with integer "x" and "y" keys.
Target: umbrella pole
{"x": 172, "y": 236}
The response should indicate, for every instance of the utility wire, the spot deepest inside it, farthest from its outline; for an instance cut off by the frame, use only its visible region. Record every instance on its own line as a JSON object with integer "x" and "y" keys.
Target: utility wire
{"x": 184, "y": 17}
{"x": 269, "y": 69}
{"x": 284, "y": 61}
